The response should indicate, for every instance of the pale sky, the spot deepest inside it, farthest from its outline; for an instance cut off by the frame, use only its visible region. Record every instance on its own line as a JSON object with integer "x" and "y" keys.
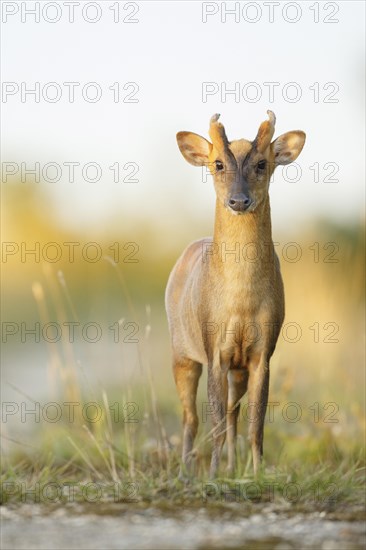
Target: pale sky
{"x": 170, "y": 53}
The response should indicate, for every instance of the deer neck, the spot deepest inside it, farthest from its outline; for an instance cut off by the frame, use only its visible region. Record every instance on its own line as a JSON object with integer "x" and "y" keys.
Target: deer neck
{"x": 243, "y": 242}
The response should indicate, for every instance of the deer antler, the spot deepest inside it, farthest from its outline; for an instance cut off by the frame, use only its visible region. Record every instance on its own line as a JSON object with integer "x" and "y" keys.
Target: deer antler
{"x": 265, "y": 133}
{"x": 217, "y": 133}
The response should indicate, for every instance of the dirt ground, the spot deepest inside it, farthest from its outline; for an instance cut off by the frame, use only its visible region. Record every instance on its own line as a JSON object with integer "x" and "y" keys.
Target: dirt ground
{"x": 120, "y": 527}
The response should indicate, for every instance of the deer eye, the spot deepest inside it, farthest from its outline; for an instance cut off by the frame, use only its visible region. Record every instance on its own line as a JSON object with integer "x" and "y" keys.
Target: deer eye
{"x": 261, "y": 165}
{"x": 219, "y": 165}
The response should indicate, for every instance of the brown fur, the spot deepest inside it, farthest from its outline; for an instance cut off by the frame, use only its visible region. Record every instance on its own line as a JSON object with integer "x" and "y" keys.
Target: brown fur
{"x": 215, "y": 293}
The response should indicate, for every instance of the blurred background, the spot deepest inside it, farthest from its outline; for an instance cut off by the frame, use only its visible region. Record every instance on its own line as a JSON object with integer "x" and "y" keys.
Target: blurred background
{"x": 133, "y": 203}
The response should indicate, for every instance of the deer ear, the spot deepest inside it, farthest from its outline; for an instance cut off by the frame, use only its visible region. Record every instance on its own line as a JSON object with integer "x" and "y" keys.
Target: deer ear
{"x": 287, "y": 147}
{"x": 194, "y": 148}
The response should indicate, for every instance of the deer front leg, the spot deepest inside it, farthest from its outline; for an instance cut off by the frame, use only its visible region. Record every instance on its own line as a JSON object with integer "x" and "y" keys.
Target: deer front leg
{"x": 258, "y": 387}
{"x": 187, "y": 374}
{"x": 217, "y": 395}
{"x": 238, "y": 381}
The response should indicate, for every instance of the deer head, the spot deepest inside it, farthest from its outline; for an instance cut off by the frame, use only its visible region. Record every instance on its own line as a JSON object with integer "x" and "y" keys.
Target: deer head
{"x": 241, "y": 169}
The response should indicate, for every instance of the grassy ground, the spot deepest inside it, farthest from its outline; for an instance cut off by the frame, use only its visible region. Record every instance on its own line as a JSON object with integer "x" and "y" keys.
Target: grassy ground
{"x": 101, "y": 469}
{"x": 115, "y": 459}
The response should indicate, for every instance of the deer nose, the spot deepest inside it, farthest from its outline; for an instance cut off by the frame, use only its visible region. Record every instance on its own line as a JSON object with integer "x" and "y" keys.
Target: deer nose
{"x": 239, "y": 202}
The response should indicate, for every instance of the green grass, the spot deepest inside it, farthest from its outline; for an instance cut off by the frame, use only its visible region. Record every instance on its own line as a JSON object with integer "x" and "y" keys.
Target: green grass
{"x": 138, "y": 463}
{"x": 333, "y": 487}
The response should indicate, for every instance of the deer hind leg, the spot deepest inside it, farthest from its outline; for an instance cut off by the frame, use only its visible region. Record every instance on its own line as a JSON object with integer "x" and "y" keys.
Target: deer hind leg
{"x": 217, "y": 389}
{"x": 257, "y": 405}
{"x": 238, "y": 381}
{"x": 187, "y": 374}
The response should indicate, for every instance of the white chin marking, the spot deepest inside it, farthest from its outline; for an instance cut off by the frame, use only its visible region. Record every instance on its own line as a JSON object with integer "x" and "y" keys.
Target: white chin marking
{"x": 234, "y": 212}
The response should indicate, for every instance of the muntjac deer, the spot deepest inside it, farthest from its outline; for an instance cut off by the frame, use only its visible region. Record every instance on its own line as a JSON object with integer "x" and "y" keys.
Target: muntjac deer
{"x": 215, "y": 292}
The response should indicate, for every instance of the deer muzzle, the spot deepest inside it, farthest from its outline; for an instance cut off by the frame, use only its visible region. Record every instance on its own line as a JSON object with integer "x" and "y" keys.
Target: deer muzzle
{"x": 239, "y": 202}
